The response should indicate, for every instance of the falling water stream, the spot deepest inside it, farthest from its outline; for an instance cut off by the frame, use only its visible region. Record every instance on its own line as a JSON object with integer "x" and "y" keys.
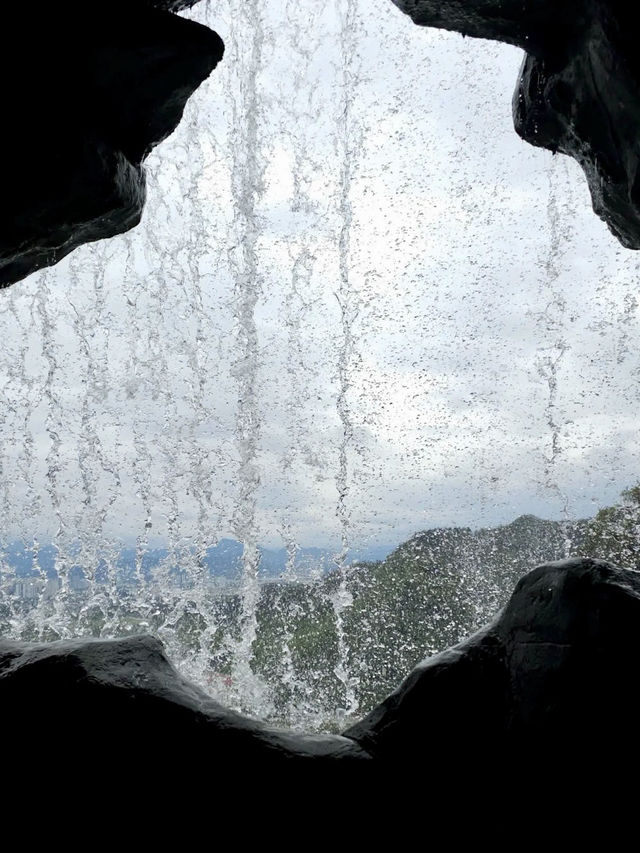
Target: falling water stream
{"x": 358, "y": 307}
{"x": 248, "y": 181}
{"x": 551, "y": 321}
{"x": 348, "y": 146}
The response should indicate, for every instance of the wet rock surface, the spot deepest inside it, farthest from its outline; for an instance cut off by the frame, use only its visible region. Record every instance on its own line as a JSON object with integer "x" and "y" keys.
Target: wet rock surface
{"x": 88, "y": 91}
{"x": 122, "y": 698}
{"x": 579, "y": 88}
{"x": 547, "y": 686}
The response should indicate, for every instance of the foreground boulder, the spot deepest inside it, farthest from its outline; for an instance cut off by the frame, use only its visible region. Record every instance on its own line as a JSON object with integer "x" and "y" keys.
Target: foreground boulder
{"x": 88, "y": 90}
{"x": 124, "y": 700}
{"x": 551, "y": 686}
{"x": 579, "y": 88}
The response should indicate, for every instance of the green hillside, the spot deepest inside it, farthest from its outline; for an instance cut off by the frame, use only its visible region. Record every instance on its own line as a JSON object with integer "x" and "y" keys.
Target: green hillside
{"x": 336, "y": 646}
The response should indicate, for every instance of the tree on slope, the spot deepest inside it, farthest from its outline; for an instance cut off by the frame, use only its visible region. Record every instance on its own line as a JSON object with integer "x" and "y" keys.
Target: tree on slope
{"x": 614, "y": 533}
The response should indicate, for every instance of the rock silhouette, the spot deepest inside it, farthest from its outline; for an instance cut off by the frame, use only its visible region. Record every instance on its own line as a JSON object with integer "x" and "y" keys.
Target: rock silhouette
{"x": 96, "y": 89}
{"x": 578, "y": 91}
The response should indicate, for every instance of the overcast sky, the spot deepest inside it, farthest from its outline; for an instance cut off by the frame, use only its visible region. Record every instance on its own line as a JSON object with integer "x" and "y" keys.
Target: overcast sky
{"x": 357, "y": 306}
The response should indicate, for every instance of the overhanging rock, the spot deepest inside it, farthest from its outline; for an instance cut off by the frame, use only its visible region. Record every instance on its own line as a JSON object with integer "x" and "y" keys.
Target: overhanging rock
{"x": 88, "y": 91}
{"x": 579, "y": 87}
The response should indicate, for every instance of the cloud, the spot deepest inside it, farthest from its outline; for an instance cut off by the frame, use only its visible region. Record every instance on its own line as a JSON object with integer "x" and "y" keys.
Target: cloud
{"x": 489, "y": 315}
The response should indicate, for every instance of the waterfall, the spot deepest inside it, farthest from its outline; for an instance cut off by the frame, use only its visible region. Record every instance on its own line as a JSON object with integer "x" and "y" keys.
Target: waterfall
{"x": 357, "y": 308}
{"x": 247, "y": 181}
{"x": 347, "y": 144}
{"x": 551, "y": 321}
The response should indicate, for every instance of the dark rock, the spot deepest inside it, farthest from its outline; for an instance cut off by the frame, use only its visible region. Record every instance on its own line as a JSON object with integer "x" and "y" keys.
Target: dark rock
{"x": 88, "y": 92}
{"x": 125, "y": 698}
{"x": 579, "y": 88}
{"x": 551, "y": 686}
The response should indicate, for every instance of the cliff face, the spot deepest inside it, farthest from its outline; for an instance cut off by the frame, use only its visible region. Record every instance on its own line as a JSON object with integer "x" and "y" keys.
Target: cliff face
{"x": 87, "y": 93}
{"x": 578, "y": 91}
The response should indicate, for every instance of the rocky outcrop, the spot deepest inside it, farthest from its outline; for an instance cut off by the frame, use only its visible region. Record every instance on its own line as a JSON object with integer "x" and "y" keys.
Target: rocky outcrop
{"x": 126, "y": 698}
{"x": 88, "y": 91}
{"x": 579, "y": 88}
{"x": 549, "y": 687}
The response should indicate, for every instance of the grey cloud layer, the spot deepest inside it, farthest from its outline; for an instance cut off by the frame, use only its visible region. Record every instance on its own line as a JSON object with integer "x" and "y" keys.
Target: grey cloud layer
{"x": 493, "y": 316}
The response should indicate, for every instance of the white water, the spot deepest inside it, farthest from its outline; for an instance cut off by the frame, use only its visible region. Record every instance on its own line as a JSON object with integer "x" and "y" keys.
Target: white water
{"x": 358, "y": 306}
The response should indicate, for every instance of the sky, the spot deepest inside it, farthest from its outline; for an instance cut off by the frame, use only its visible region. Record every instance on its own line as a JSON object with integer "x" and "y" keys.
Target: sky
{"x": 357, "y": 306}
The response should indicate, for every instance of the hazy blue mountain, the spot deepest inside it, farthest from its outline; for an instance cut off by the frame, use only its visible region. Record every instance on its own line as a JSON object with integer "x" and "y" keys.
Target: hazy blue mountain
{"x": 21, "y": 559}
{"x": 223, "y": 560}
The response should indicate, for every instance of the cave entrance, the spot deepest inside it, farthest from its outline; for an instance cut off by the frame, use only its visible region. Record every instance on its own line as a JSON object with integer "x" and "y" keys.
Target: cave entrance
{"x": 360, "y": 315}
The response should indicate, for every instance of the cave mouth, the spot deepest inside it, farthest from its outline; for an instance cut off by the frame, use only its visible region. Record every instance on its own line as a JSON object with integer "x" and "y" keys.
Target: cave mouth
{"x": 358, "y": 308}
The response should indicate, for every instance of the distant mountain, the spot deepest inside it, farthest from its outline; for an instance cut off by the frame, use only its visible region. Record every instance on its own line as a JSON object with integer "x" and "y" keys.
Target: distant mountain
{"x": 223, "y": 560}
{"x": 426, "y": 595}
{"x": 429, "y": 593}
{"x": 21, "y": 559}
{"x": 486, "y": 562}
